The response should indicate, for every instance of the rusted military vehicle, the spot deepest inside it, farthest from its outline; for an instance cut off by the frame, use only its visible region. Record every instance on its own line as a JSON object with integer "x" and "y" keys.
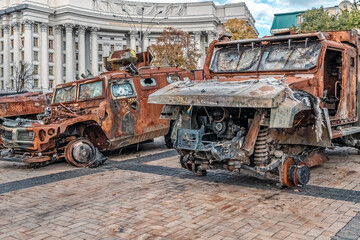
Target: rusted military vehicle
{"x": 24, "y": 104}
{"x": 269, "y": 106}
{"x": 87, "y": 116}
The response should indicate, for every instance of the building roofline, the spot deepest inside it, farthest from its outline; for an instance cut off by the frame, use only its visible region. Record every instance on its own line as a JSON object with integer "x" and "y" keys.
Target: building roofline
{"x": 297, "y": 12}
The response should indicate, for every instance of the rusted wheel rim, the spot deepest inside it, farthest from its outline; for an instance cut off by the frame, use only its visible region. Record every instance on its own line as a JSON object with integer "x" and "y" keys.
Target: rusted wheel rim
{"x": 285, "y": 177}
{"x": 80, "y": 152}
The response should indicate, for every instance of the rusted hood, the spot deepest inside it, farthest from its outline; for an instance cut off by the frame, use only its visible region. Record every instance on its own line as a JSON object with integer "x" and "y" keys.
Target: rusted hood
{"x": 264, "y": 93}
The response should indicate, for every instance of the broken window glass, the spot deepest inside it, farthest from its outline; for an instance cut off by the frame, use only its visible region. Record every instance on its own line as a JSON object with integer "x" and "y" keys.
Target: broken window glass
{"x": 148, "y": 82}
{"x": 121, "y": 90}
{"x": 91, "y": 90}
{"x": 236, "y": 60}
{"x": 172, "y": 78}
{"x": 297, "y": 57}
{"x": 65, "y": 94}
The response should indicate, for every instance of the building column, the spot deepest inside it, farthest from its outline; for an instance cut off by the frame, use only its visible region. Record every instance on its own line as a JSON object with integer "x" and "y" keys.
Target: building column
{"x": 58, "y": 55}
{"x": 44, "y": 67}
{"x": 70, "y": 74}
{"x": 6, "y": 56}
{"x": 106, "y": 49}
{"x": 132, "y": 35}
{"x": 16, "y": 27}
{"x": 28, "y": 47}
{"x": 197, "y": 42}
{"x": 82, "y": 53}
{"x": 211, "y": 36}
{"x": 94, "y": 51}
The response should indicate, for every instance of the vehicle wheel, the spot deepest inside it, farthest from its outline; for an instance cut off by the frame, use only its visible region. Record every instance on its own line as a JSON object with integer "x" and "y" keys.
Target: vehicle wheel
{"x": 80, "y": 152}
{"x": 168, "y": 141}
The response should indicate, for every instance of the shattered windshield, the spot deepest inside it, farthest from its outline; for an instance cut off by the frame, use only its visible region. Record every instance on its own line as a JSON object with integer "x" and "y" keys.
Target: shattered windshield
{"x": 298, "y": 56}
{"x": 236, "y": 60}
{"x": 91, "y": 90}
{"x": 65, "y": 94}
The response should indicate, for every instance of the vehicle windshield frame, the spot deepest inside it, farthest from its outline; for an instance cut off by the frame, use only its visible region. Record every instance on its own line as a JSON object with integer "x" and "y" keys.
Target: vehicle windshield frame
{"x": 93, "y": 98}
{"x": 262, "y": 47}
{"x": 61, "y": 87}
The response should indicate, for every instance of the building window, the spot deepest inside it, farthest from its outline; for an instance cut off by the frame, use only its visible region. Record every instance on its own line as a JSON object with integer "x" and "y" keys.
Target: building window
{"x": 36, "y": 42}
{"x": 12, "y": 31}
{"x": 77, "y": 67}
{"x": 12, "y": 43}
{"x": 51, "y": 57}
{"x": 51, "y": 44}
{"x": 76, "y": 45}
{"x": 124, "y": 47}
{"x": 299, "y": 19}
{"x": 100, "y": 68}
{"x": 64, "y": 58}
{"x": 22, "y": 28}
{"x": 137, "y": 48}
{"x": 36, "y": 69}
{"x": 2, "y": 72}
{"x": 51, "y": 84}
{"x": 22, "y": 42}
{"x": 36, "y": 56}
{"x": 99, "y": 57}
{"x": 2, "y": 59}
{"x": 112, "y": 38}
{"x": 12, "y": 71}
{"x": 12, "y": 57}
{"x": 36, "y": 83}
{"x": 76, "y": 56}
{"x": 2, "y": 85}
{"x": 22, "y": 55}
{"x": 51, "y": 31}
{"x": 112, "y": 47}
{"x": 12, "y": 83}
{"x": 100, "y": 47}
{"x": 51, "y": 70}
{"x": 36, "y": 28}
{"x": 2, "y": 32}
{"x": 64, "y": 71}
{"x": 2, "y": 46}
{"x": 64, "y": 45}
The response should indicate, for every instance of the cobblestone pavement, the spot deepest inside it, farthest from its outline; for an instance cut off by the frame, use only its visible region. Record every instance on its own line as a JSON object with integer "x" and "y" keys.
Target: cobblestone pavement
{"x": 151, "y": 197}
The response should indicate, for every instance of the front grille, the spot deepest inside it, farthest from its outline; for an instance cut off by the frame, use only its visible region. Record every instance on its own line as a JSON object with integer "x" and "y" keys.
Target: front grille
{"x": 25, "y": 135}
{"x": 7, "y": 135}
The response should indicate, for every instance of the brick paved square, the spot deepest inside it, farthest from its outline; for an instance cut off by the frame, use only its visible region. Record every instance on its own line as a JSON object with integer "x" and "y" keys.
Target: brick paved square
{"x": 151, "y": 197}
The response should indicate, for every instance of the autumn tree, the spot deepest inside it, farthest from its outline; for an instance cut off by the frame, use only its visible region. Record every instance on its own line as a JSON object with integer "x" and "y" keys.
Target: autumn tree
{"x": 318, "y": 19}
{"x": 175, "y": 48}
{"x": 23, "y": 76}
{"x": 240, "y": 29}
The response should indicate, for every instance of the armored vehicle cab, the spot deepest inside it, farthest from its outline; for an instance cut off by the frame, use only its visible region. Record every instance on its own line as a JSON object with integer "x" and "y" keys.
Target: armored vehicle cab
{"x": 105, "y": 112}
{"x": 269, "y": 106}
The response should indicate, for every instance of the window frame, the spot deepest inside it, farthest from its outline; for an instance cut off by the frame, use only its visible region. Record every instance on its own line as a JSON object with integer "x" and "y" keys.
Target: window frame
{"x": 94, "y": 98}
{"x": 120, "y": 82}
{"x": 148, "y": 87}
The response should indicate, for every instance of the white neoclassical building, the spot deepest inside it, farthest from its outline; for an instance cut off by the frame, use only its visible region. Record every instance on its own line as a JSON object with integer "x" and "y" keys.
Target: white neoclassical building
{"x": 63, "y": 39}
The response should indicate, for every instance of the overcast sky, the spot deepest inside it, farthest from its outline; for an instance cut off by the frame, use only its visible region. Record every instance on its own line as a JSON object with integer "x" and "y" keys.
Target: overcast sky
{"x": 264, "y": 10}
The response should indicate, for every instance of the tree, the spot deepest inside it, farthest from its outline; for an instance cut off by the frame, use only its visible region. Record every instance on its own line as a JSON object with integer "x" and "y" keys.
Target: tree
{"x": 240, "y": 29}
{"x": 175, "y": 48}
{"x": 23, "y": 76}
{"x": 318, "y": 19}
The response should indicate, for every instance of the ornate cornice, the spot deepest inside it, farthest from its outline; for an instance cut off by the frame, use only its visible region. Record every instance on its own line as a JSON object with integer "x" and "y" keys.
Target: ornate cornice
{"x": 6, "y": 28}
{"x": 94, "y": 29}
{"x": 16, "y": 26}
{"x": 69, "y": 27}
{"x": 81, "y": 28}
{"x": 28, "y": 24}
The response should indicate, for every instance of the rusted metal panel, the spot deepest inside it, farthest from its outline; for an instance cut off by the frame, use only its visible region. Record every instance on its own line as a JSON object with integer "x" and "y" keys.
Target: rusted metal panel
{"x": 105, "y": 112}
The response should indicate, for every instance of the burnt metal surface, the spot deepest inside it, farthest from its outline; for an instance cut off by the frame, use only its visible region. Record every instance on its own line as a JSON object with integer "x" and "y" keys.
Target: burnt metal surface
{"x": 106, "y": 112}
{"x": 268, "y": 106}
{"x": 24, "y": 104}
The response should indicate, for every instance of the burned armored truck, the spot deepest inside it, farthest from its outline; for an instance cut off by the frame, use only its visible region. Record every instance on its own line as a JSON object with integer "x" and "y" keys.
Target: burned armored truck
{"x": 268, "y": 107}
{"x": 87, "y": 116}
